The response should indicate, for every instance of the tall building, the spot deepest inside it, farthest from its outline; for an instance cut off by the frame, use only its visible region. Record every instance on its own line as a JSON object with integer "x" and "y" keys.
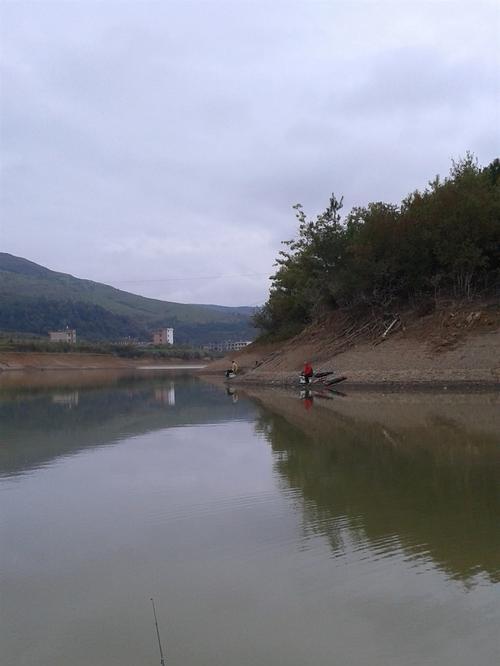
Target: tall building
{"x": 68, "y": 335}
{"x": 163, "y": 336}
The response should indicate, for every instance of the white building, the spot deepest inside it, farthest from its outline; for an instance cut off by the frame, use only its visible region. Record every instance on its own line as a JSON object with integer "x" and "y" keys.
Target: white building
{"x": 68, "y": 335}
{"x": 239, "y": 344}
{"x": 163, "y": 336}
{"x": 228, "y": 345}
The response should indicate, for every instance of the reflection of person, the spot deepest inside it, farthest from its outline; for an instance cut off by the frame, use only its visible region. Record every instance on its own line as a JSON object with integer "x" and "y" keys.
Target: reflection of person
{"x": 233, "y": 394}
{"x": 308, "y": 402}
{"x": 307, "y": 372}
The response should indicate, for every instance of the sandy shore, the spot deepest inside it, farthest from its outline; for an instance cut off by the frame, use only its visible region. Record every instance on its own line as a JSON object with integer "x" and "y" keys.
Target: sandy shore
{"x": 446, "y": 348}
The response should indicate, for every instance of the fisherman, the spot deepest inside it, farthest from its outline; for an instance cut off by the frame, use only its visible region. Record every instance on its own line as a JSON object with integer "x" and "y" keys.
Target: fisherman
{"x": 307, "y": 372}
{"x": 230, "y": 372}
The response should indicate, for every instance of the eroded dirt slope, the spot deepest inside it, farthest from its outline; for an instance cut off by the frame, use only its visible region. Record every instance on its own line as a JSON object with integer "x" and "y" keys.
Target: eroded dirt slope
{"x": 456, "y": 342}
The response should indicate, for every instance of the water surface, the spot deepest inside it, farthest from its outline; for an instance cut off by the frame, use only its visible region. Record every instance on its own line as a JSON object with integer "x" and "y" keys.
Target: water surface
{"x": 358, "y": 530}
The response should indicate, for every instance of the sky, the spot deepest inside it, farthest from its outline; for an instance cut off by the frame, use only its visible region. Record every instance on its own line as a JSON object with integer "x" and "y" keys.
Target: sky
{"x": 160, "y": 146}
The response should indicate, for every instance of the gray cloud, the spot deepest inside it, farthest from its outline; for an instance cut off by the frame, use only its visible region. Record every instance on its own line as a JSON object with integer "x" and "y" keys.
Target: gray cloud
{"x": 146, "y": 141}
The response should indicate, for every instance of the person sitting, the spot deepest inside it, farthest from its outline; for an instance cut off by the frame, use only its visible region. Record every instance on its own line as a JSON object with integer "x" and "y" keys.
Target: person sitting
{"x": 232, "y": 370}
{"x": 307, "y": 372}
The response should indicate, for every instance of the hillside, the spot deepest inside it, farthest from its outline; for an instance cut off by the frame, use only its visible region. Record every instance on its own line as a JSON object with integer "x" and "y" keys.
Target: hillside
{"x": 457, "y": 342}
{"x": 35, "y": 299}
{"x": 421, "y": 277}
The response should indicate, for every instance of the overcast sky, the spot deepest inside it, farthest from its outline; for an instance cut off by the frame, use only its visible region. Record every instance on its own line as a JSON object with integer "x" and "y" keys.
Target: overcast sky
{"x": 159, "y": 146}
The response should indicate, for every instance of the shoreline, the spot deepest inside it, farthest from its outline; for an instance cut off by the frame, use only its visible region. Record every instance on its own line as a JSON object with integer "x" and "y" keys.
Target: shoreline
{"x": 459, "y": 348}
{"x": 424, "y": 386}
{"x": 13, "y": 361}
{"x": 401, "y": 364}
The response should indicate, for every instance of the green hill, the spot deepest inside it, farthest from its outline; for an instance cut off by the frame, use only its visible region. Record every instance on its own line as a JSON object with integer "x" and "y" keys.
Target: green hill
{"x": 35, "y": 299}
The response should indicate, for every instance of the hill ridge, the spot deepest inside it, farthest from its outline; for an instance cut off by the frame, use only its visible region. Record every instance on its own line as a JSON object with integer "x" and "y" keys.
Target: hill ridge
{"x": 39, "y": 298}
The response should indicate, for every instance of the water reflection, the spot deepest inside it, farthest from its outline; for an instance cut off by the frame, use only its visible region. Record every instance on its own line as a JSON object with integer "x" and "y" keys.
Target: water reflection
{"x": 166, "y": 395}
{"x": 412, "y": 478}
{"x": 39, "y": 423}
{"x": 233, "y": 393}
{"x": 361, "y": 529}
{"x": 69, "y": 399}
{"x": 419, "y": 473}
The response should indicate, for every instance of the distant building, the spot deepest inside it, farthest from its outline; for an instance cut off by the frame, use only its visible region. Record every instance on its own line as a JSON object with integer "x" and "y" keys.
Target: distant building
{"x": 229, "y": 345}
{"x": 68, "y": 335}
{"x": 163, "y": 336}
{"x": 214, "y": 346}
{"x": 238, "y": 345}
{"x": 129, "y": 340}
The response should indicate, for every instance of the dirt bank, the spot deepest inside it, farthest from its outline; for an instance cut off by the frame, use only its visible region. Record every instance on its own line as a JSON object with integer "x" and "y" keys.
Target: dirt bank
{"x": 455, "y": 343}
{"x": 79, "y": 361}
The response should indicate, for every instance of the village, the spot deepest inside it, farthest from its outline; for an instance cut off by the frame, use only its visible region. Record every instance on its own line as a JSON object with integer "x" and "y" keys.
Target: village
{"x": 162, "y": 337}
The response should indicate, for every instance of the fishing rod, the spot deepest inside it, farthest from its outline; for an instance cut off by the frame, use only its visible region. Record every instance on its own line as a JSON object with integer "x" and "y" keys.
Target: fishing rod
{"x": 162, "y": 659}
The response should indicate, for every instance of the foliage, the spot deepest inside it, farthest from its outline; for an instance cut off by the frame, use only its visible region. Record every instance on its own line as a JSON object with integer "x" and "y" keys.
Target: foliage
{"x": 39, "y": 315}
{"x": 444, "y": 240}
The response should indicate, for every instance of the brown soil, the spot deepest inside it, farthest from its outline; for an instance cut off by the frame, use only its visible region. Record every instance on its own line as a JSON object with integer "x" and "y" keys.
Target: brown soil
{"x": 456, "y": 342}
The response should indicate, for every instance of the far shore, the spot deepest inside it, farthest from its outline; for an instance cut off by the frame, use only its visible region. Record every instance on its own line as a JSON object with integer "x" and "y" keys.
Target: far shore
{"x": 419, "y": 358}
{"x": 11, "y": 361}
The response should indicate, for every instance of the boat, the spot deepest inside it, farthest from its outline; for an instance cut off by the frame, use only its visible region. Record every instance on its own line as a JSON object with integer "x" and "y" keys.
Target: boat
{"x": 321, "y": 379}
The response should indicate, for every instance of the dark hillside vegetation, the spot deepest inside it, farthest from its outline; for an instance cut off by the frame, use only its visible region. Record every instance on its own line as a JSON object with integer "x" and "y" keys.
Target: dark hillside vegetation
{"x": 442, "y": 242}
{"x": 39, "y": 315}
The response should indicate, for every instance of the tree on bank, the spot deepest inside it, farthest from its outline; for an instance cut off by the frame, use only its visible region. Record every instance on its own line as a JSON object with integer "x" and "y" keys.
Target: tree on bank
{"x": 442, "y": 241}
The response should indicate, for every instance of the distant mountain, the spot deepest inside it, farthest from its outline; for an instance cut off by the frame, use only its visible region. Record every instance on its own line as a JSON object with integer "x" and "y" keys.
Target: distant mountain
{"x": 35, "y": 299}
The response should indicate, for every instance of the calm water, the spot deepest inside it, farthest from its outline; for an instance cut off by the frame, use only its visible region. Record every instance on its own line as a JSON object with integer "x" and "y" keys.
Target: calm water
{"x": 360, "y": 530}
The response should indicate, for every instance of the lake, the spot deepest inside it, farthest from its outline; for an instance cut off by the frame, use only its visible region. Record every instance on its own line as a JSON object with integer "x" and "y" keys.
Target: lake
{"x": 348, "y": 529}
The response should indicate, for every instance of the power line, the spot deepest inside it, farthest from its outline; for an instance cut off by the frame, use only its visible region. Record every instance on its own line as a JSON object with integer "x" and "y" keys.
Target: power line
{"x": 198, "y": 277}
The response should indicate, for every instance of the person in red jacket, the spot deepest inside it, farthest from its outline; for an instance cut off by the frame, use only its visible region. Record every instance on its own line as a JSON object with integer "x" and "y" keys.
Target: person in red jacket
{"x": 307, "y": 372}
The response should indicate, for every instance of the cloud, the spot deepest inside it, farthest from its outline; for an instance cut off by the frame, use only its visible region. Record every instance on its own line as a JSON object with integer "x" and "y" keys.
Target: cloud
{"x": 142, "y": 141}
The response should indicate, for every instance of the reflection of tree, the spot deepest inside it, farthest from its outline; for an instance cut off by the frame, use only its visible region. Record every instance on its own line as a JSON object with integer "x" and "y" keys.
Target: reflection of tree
{"x": 433, "y": 491}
